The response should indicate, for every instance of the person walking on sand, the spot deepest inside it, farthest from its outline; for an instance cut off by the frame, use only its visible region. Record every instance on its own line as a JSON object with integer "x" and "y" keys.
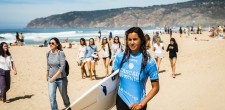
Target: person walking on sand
{"x": 155, "y": 37}
{"x": 117, "y": 47}
{"x": 173, "y": 49}
{"x": 106, "y": 54}
{"x": 171, "y": 32}
{"x": 17, "y": 37}
{"x": 158, "y": 51}
{"x": 56, "y": 75}
{"x": 90, "y": 57}
{"x": 21, "y": 39}
{"x": 81, "y": 58}
{"x": 181, "y": 31}
{"x": 135, "y": 65}
{"x": 148, "y": 42}
{"x": 6, "y": 65}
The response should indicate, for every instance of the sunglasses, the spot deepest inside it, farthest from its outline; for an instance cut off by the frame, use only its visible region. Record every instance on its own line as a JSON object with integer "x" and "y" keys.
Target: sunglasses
{"x": 51, "y": 43}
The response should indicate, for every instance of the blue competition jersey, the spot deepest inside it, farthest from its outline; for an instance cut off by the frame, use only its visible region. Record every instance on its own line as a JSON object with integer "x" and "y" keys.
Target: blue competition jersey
{"x": 132, "y": 89}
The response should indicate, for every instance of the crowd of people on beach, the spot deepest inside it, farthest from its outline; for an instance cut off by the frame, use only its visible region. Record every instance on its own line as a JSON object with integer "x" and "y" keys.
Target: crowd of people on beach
{"x": 124, "y": 56}
{"x": 217, "y": 32}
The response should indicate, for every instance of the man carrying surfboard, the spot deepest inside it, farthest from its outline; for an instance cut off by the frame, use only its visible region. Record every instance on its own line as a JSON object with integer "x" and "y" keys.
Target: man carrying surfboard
{"x": 133, "y": 74}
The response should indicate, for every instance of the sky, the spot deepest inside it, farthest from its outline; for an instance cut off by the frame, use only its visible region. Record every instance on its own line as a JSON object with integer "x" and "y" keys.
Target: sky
{"x": 18, "y": 13}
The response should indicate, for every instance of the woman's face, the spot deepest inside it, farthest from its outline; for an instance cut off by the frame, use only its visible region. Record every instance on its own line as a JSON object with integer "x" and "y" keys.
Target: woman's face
{"x": 5, "y": 47}
{"x": 104, "y": 40}
{"x": 81, "y": 42}
{"x": 116, "y": 39}
{"x": 91, "y": 41}
{"x": 134, "y": 42}
{"x": 171, "y": 42}
{"x": 53, "y": 44}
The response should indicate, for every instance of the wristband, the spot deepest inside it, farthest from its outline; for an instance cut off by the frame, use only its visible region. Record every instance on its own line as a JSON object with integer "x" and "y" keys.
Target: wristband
{"x": 140, "y": 105}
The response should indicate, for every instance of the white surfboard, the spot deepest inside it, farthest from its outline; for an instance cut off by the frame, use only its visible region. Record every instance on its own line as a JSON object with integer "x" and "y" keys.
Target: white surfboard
{"x": 101, "y": 96}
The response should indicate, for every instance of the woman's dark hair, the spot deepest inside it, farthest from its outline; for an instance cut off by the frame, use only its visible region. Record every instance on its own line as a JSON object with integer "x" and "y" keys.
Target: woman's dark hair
{"x": 147, "y": 37}
{"x": 145, "y": 55}
{"x": 175, "y": 43}
{"x": 114, "y": 41}
{"x": 103, "y": 40}
{"x": 93, "y": 41}
{"x": 59, "y": 47}
{"x": 2, "y": 52}
{"x": 82, "y": 39}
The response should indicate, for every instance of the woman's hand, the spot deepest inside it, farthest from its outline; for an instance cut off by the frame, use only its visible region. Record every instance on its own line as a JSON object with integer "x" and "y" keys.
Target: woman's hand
{"x": 15, "y": 72}
{"x": 136, "y": 107}
{"x": 52, "y": 80}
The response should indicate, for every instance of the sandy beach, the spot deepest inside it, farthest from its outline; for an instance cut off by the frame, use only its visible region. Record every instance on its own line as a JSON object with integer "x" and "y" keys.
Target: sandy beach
{"x": 199, "y": 83}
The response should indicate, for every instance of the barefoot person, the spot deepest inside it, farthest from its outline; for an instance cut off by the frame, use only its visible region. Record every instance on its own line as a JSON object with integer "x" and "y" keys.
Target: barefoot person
{"x": 106, "y": 54}
{"x": 56, "y": 75}
{"x": 158, "y": 50}
{"x": 6, "y": 65}
{"x": 81, "y": 58}
{"x": 90, "y": 56}
{"x": 173, "y": 49}
{"x": 136, "y": 66}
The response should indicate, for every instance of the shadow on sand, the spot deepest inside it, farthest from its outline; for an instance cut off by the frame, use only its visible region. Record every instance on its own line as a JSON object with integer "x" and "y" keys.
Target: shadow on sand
{"x": 20, "y": 97}
{"x": 177, "y": 74}
{"x": 162, "y": 71}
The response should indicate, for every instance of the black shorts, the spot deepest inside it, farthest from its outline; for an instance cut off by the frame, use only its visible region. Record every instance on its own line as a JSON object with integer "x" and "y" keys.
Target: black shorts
{"x": 121, "y": 105}
{"x": 104, "y": 58}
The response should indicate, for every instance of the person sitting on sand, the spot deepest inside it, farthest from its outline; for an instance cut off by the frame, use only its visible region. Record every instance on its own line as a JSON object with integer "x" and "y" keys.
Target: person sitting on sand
{"x": 213, "y": 32}
{"x": 69, "y": 45}
{"x": 220, "y": 33}
{"x": 13, "y": 44}
{"x": 45, "y": 44}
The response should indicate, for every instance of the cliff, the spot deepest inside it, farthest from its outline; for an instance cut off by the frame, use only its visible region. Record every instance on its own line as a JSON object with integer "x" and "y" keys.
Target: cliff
{"x": 204, "y": 12}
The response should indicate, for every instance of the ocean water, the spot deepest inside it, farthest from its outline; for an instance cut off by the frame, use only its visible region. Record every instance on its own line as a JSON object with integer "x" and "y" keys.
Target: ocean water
{"x": 37, "y": 36}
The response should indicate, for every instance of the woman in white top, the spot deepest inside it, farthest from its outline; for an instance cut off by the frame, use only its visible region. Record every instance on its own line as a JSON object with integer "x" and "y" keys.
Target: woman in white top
{"x": 106, "y": 54}
{"x": 116, "y": 48}
{"x": 6, "y": 65}
{"x": 81, "y": 59}
{"x": 158, "y": 50}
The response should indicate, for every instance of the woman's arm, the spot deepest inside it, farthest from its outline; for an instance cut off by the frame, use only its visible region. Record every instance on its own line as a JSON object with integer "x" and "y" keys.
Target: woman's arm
{"x": 150, "y": 95}
{"x": 61, "y": 68}
{"x": 99, "y": 49}
{"x": 152, "y": 92}
{"x": 176, "y": 48}
{"x": 167, "y": 48}
{"x": 14, "y": 68}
